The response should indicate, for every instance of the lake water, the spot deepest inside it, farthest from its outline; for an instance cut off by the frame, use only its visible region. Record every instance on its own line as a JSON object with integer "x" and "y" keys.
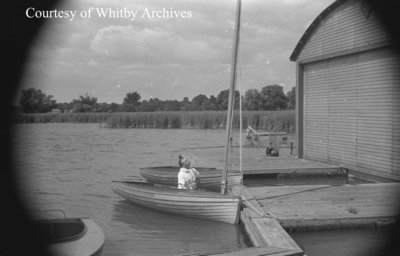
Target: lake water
{"x": 71, "y": 166}
{"x": 354, "y": 242}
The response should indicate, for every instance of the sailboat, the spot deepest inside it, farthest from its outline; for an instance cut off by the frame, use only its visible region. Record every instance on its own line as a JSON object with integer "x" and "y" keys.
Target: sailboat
{"x": 210, "y": 177}
{"x": 223, "y": 206}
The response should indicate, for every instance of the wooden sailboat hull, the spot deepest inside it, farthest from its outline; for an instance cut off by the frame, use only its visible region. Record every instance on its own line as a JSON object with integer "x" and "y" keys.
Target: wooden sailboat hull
{"x": 190, "y": 203}
{"x": 77, "y": 236}
{"x": 210, "y": 178}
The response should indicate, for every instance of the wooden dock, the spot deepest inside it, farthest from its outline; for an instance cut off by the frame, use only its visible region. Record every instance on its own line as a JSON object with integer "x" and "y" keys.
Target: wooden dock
{"x": 255, "y": 162}
{"x": 320, "y": 207}
{"x": 266, "y": 234}
{"x": 269, "y": 212}
{"x": 287, "y": 166}
{"x": 263, "y": 228}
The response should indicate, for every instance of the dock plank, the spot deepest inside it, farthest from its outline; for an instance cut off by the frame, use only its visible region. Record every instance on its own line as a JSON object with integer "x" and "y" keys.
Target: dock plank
{"x": 315, "y": 206}
{"x": 273, "y": 233}
{"x": 254, "y": 251}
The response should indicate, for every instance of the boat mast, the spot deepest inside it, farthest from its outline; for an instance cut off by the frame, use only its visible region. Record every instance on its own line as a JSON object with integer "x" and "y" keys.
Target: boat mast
{"x": 231, "y": 97}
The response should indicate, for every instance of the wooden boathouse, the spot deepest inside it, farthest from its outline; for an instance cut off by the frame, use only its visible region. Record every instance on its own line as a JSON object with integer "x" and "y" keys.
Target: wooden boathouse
{"x": 348, "y": 91}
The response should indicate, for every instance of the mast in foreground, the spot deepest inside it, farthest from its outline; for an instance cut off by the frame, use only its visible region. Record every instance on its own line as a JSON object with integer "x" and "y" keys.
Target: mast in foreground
{"x": 231, "y": 96}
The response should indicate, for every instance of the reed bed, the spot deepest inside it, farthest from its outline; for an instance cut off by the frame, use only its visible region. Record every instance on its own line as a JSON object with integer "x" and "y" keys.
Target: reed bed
{"x": 262, "y": 120}
{"x": 62, "y": 118}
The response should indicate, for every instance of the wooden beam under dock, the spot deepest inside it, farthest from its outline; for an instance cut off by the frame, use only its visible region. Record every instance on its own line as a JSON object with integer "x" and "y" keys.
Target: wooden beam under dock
{"x": 263, "y": 228}
{"x": 288, "y": 166}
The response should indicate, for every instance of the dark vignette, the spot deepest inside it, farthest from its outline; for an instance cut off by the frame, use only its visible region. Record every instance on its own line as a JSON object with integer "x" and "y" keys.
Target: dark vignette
{"x": 19, "y": 236}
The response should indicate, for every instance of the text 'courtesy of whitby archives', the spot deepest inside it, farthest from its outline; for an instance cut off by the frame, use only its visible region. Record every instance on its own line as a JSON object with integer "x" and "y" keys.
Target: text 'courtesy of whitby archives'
{"x": 108, "y": 12}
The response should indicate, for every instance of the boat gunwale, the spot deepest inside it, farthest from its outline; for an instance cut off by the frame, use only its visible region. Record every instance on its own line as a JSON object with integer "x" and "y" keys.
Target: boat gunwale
{"x": 174, "y": 204}
{"x": 165, "y": 169}
{"x": 173, "y": 191}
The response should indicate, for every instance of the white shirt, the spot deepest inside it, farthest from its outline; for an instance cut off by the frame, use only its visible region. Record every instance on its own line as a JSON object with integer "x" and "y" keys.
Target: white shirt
{"x": 187, "y": 178}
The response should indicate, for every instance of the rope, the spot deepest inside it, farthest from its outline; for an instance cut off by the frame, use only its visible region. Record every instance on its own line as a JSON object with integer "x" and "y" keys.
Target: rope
{"x": 241, "y": 125}
{"x": 206, "y": 147}
{"x": 298, "y": 192}
{"x": 252, "y": 207}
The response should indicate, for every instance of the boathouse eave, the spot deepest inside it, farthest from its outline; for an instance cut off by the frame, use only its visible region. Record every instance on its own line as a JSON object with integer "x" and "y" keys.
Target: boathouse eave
{"x": 314, "y": 25}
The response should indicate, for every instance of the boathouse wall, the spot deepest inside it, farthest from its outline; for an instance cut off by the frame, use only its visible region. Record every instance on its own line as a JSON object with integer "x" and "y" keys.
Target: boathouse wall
{"x": 348, "y": 91}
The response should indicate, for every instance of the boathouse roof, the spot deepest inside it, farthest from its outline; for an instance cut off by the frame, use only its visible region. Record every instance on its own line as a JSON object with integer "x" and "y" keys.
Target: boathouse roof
{"x": 314, "y": 25}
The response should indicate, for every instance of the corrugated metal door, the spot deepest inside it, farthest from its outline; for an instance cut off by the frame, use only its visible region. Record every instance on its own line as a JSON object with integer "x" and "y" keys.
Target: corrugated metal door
{"x": 349, "y": 112}
{"x": 316, "y": 99}
{"x": 378, "y": 90}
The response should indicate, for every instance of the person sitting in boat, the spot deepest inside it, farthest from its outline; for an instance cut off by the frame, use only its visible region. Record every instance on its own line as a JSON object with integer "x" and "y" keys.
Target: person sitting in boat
{"x": 188, "y": 177}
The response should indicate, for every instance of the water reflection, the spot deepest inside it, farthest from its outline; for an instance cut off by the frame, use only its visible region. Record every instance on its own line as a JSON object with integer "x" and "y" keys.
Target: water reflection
{"x": 343, "y": 242}
{"x": 180, "y": 234}
{"x": 71, "y": 166}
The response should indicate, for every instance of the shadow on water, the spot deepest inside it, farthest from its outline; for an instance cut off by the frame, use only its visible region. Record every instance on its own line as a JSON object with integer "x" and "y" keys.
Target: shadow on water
{"x": 154, "y": 231}
{"x": 365, "y": 242}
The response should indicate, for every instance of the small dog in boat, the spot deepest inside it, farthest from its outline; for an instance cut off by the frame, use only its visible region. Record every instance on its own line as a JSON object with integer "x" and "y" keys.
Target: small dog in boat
{"x": 270, "y": 151}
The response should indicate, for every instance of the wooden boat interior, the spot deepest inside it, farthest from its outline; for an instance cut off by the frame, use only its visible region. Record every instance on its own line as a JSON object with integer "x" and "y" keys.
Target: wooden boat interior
{"x": 61, "y": 230}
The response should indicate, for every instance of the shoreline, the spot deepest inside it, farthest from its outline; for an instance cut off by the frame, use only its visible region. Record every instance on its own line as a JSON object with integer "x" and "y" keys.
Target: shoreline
{"x": 261, "y": 120}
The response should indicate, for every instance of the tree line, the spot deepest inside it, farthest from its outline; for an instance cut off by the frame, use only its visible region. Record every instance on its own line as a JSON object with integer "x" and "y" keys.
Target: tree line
{"x": 269, "y": 98}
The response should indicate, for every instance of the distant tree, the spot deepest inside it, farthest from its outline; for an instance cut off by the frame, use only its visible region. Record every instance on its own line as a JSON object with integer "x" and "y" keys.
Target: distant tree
{"x": 213, "y": 99}
{"x": 35, "y": 101}
{"x": 157, "y": 104}
{"x": 65, "y": 107}
{"x": 114, "y": 107}
{"x": 291, "y": 95}
{"x": 223, "y": 99}
{"x": 85, "y": 104}
{"x": 130, "y": 102}
{"x": 186, "y": 100}
{"x": 132, "y": 98}
{"x": 146, "y": 106}
{"x": 88, "y": 100}
{"x": 172, "y": 105}
{"x": 212, "y": 103}
{"x": 252, "y": 100}
{"x": 192, "y": 107}
{"x": 128, "y": 108}
{"x": 185, "y": 104}
{"x": 198, "y": 103}
{"x": 273, "y": 97}
{"x": 103, "y": 107}
{"x": 200, "y": 100}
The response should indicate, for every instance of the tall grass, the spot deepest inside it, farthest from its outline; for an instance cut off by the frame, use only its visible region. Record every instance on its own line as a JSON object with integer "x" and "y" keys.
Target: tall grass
{"x": 62, "y": 118}
{"x": 261, "y": 120}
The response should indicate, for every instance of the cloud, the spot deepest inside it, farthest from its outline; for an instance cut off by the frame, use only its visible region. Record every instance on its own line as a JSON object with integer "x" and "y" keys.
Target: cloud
{"x": 149, "y": 45}
{"x": 168, "y": 58}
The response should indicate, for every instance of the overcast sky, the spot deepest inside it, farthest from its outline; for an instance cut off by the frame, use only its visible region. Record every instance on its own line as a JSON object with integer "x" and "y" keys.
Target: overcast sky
{"x": 166, "y": 58}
